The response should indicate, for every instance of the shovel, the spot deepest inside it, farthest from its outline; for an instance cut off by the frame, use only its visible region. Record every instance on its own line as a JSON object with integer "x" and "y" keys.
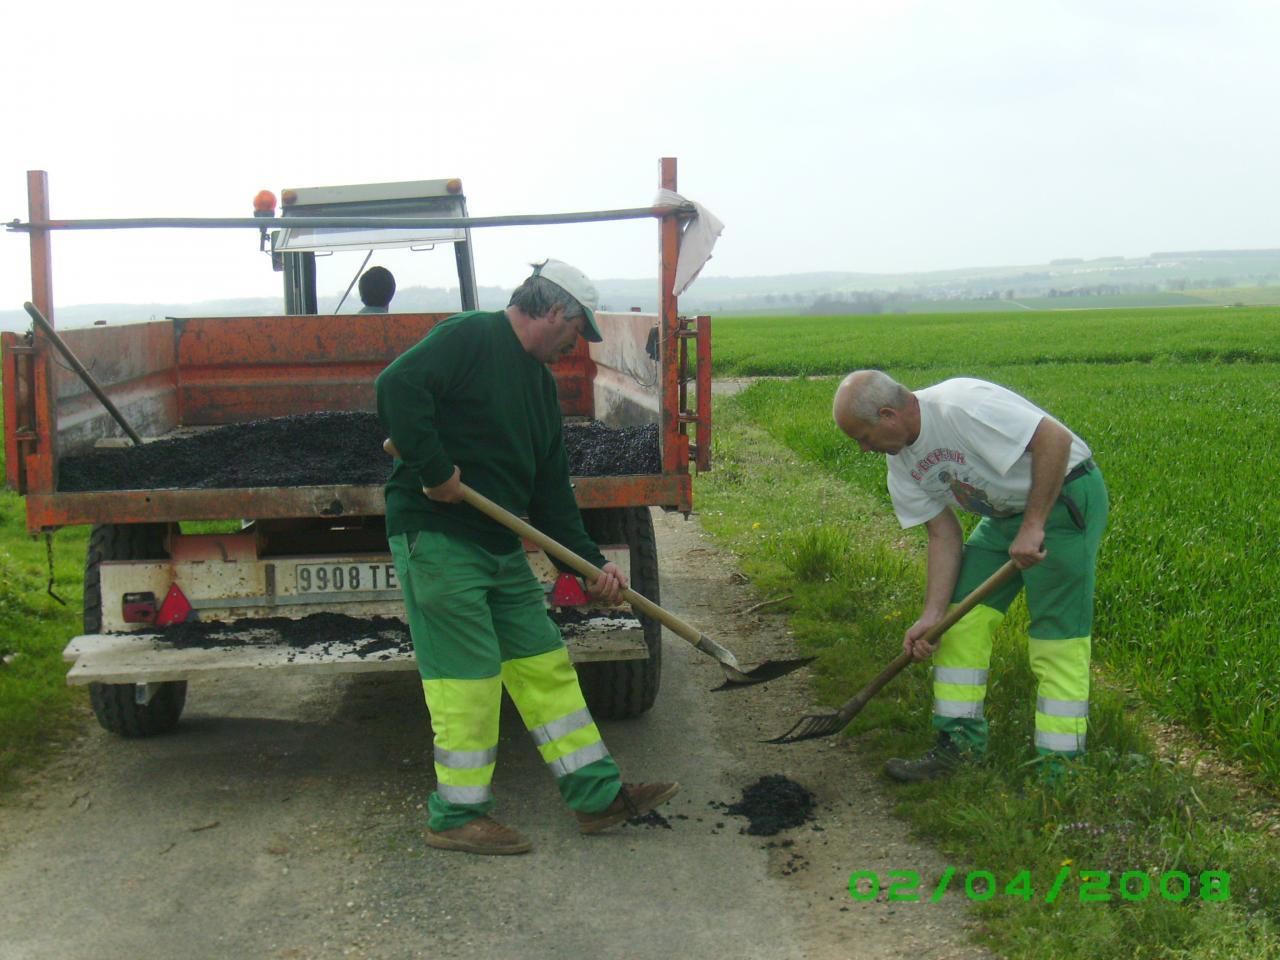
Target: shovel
{"x": 825, "y": 724}
{"x": 734, "y": 674}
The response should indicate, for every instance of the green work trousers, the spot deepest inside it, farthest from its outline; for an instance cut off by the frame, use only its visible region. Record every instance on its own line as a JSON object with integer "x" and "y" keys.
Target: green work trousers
{"x": 1060, "y": 601}
{"x": 479, "y": 623}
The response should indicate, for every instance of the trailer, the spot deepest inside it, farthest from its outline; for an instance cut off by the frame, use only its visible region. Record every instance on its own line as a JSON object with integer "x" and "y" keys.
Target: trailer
{"x": 263, "y": 559}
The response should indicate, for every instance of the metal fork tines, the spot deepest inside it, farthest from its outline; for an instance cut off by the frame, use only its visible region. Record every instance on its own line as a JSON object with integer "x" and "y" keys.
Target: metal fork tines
{"x": 811, "y": 728}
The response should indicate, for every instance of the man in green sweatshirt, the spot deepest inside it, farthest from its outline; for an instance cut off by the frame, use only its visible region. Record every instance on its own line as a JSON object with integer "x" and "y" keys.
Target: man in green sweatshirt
{"x": 475, "y": 401}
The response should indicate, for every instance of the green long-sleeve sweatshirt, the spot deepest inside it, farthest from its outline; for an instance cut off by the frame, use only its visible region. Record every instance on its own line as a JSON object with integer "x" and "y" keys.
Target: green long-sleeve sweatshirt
{"x": 469, "y": 395}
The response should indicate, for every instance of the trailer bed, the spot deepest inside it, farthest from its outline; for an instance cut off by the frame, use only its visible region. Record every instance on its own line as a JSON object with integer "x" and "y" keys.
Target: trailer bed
{"x": 180, "y": 377}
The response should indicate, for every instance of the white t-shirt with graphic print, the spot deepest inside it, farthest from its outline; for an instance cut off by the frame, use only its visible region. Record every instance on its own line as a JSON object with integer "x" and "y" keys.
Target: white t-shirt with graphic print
{"x": 971, "y": 453}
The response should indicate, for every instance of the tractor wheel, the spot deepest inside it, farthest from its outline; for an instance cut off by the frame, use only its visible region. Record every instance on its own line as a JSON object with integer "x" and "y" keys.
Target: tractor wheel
{"x": 115, "y": 704}
{"x": 623, "y": 689}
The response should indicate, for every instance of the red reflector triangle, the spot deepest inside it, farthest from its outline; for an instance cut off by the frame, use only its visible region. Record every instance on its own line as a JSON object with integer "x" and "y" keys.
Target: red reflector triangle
{"x": 175, "y": 609}
{"x": 568, "y": 592}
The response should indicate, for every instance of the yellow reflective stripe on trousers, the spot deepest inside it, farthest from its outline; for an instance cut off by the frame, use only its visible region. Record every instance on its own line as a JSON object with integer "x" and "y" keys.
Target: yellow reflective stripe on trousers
{"x": 546, "y": 692}
{"x": 1062, "y": 708}
{"x": 570, "y": 743}
{"x": 465, "y": 768}
{"x": 960, "y": 666}
{"x": 960, "y": 675}
{"x": 572, "y": 762}
{"x": 558, "y": 728}
{"x": 464, "y": 717}
{"x": 464, "y": 795}
{"x": 566, "y": 752}
{"x": 1061, "y": 742}
{"x": 967, "y": 709}
{"x": 1061, "y": 668}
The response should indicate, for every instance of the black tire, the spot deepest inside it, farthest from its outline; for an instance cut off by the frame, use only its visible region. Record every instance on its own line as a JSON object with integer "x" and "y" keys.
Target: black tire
{"x": 624, "y": 689}
{"x": 115, "y": 704}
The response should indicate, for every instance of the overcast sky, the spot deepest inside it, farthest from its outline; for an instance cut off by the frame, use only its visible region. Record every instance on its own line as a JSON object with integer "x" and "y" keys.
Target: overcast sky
{"x": 860, "y": 136}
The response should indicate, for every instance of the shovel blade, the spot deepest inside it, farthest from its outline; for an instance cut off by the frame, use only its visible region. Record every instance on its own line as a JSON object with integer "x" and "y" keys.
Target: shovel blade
{"x": 769, "y": 670}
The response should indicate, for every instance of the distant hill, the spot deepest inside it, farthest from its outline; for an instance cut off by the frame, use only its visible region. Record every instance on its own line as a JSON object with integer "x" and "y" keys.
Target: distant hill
{"x": 1161, "y": 278}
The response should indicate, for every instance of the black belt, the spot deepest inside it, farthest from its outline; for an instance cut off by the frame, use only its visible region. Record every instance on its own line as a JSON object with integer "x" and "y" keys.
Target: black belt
{"x": 1075, "y": 473}
{"x": 1079, "y": 470}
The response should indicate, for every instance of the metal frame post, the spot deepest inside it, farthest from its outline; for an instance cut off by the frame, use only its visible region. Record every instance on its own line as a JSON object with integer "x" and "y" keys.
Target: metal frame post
{"x": 702, "y": 432}
{"x": 669, "y": 324}
{"x": 41, "y": 461}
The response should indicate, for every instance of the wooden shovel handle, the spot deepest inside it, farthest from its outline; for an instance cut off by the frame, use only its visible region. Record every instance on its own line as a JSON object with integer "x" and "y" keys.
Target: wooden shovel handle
{"x": 584, "y": 567}
{"x": 988, "y": 586}
{"x": 580, "y": 564}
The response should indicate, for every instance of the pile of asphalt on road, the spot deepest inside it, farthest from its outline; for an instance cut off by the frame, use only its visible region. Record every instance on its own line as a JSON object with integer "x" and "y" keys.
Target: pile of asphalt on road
{"x": 314, "y": 449}
{"x": 772, "y": 804}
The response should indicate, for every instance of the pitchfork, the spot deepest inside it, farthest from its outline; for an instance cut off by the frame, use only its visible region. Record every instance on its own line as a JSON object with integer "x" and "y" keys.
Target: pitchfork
{"x": 825, "y": 724}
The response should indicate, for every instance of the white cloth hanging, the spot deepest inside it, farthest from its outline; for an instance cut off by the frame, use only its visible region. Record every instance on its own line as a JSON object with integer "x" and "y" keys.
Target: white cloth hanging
{"x": 697, "y": 238}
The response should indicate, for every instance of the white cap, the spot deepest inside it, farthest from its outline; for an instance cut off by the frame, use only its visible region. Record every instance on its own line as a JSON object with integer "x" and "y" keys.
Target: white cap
{"x": 578, "y": 285}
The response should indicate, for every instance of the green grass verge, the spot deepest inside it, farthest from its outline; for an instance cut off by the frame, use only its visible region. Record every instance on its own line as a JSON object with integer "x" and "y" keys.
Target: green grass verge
{"x": 856, "y": 579}
{"x": 36, "y": 706}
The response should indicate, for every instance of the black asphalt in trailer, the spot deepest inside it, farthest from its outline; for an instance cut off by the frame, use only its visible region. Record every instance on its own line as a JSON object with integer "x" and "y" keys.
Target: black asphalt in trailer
{"x": 314, "y": 449}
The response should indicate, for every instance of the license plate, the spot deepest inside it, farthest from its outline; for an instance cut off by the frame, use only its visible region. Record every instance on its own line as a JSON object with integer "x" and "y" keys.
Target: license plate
{"x": 345, "y": 577}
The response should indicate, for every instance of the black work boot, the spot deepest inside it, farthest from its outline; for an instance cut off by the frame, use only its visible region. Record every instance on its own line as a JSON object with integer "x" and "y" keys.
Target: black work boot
{"x": 941, "y": 760}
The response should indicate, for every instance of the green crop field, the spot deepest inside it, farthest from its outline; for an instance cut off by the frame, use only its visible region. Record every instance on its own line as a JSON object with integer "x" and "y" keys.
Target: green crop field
{"x": 1113, "y": 300}
{"x": 805, "y": 346}
{"x": 1244, "y": 296}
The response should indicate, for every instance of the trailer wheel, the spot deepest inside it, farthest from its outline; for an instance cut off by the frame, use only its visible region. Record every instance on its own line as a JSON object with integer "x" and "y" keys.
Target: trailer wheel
{"x": 115, "y": 704}
{"x": 623, "y": 689}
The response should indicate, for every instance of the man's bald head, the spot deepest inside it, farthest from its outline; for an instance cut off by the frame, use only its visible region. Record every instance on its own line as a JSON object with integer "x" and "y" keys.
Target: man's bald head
{"x": 864, "y": 393}
{"x": 877, "y": 411}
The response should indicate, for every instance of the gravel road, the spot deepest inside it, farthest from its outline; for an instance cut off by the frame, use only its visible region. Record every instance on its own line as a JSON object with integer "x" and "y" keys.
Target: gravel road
{"x": 283, "y": 820}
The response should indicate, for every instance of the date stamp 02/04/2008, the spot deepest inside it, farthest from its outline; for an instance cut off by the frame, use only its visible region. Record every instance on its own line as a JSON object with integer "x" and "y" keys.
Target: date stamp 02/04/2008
{"x": 1089, "y": 886}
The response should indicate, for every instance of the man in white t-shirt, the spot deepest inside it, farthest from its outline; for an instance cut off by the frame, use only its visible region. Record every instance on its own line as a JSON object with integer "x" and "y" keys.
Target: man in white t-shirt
{"x": 980, "y": 447}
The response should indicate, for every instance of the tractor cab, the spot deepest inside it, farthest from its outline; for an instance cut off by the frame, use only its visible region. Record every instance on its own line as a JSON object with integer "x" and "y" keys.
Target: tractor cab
{"x": 294, "y": 250}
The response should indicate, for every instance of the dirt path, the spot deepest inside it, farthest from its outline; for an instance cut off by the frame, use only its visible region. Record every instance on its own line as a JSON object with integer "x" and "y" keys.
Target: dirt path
{"x": 283, "y": 820}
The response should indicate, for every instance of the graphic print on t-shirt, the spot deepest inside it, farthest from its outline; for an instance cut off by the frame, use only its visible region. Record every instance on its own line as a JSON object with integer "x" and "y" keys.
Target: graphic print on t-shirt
{"x": 944, "y": 472}
{"x": 969, "y": 497}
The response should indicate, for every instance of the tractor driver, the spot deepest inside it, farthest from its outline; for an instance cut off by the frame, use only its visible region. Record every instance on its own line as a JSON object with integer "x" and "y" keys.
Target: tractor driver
{"x": 377, "y": 287}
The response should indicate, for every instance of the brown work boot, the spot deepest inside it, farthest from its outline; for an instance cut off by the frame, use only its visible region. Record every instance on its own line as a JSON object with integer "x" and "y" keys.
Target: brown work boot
{"x": 481, "y": 835}
{"x": 633, "y": 800}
